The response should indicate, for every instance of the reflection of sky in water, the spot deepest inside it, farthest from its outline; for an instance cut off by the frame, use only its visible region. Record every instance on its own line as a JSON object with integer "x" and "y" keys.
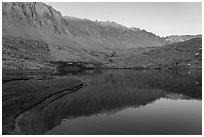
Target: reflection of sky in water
{"x": 123, "y": 102}
{"x": 164, "y": 116}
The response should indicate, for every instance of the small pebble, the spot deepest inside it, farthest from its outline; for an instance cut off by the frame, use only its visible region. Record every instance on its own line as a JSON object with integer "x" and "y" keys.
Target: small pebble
{"x": 196, "y": 82}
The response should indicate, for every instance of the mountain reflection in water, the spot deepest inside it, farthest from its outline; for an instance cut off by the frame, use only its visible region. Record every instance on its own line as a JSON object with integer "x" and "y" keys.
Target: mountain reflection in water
{"x": 122, "y": 102}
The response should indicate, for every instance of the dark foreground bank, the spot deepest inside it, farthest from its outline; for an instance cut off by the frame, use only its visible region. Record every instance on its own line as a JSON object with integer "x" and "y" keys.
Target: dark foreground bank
{"x": 22, "y": 90}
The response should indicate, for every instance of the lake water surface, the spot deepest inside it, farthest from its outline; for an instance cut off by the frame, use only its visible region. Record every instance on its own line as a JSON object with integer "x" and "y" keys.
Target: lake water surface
{"x": 123, "y": 102}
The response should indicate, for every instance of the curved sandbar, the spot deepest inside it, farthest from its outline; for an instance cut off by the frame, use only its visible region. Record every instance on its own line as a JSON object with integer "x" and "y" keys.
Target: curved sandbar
{"x": 19, "y": 96}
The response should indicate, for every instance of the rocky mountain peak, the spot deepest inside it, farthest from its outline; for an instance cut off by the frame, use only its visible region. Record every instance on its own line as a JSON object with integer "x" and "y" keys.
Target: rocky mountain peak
{"x": 30, "y": 13}
{"x": 36, "y": 20}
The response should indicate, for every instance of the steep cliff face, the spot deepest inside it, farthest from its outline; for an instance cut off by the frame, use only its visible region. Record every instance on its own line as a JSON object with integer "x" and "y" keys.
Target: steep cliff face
{"x": 41, "y": 22}
{"x": 31, "y": 20}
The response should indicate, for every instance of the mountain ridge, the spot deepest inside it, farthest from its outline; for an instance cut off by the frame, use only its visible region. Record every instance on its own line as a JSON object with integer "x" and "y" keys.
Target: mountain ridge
{"x": 69, "y": 38}
{"x": 40, "y": 16}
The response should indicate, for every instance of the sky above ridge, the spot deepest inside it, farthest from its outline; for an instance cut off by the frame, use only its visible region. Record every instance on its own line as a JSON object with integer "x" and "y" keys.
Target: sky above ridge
{"x": 163, "y": 19}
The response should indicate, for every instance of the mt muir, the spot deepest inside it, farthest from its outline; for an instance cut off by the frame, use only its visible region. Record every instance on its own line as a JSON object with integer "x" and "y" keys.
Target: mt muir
{"x": 36, "y": 36}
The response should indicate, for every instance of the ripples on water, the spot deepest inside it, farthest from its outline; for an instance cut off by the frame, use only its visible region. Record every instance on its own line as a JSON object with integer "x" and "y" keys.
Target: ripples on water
{"x": 123, "y": 102}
